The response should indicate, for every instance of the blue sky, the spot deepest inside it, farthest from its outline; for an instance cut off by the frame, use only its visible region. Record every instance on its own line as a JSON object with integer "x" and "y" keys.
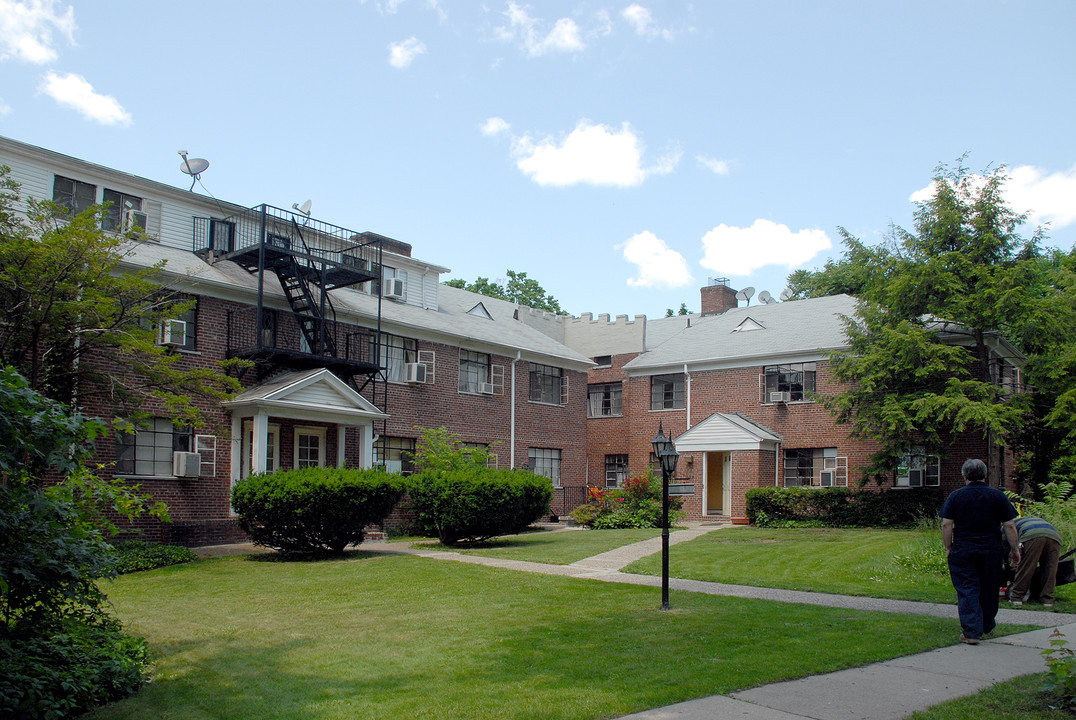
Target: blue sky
{"x": 619, "y": 153}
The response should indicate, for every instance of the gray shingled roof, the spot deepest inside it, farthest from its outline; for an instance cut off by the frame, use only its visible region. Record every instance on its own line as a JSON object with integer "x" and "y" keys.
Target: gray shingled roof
{"x": 450, "y": 320}
{"x": 802, "y": 328}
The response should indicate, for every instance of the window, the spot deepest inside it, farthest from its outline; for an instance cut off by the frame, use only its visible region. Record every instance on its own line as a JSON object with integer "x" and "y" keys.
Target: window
{"x": 813, "y": 467}
{"x": 190, "y": 318}
{"x": 603, "y": 361}
{"x": 395, "y": 454}
{"x": 272, "y": 448}
{"x": 545, "y": 462}
{"x": 121, "y": 203}
{"x": 547, "y": 384}
{"x": 667, "y": 392}
{"x": 605, "y": 400}
{"x": 616, "y": 470}
{"x": 309, "y": 447}
{"x": 395, "y": 352}
{"x": 918, "y": 469}
{"x": 148, "y": 451}
{"x": 474, "y": 371}
{"x": 796, "y": 379}
{"x": 74, "y": 195}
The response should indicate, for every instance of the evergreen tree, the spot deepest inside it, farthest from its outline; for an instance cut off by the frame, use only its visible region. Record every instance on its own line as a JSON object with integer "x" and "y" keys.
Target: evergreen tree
{"x": 943, "y": 308}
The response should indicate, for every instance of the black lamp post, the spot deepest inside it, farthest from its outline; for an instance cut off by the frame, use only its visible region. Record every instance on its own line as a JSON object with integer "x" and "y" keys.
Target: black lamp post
{"x": 667, "y": 456}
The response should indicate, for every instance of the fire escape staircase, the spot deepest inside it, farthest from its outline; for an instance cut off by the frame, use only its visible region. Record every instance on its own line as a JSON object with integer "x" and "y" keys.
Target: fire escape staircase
{"x": 308, "y": 312}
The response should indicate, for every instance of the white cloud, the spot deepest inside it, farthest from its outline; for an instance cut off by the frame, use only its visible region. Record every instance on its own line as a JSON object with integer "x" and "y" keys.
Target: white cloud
{"x": 658, "y": 264}
{"x": 26, "y": 29}
{"x": 564, "y": 37}
{"x": 403, "y": 53}
{"x": 495, "y": 126}
{"x": 643, "y": 22}
{"x": 1046, "y": 198}
{"x": 714, "y": 165}
{"x": 742, "y": 251}
{"x": 75, "y": 92}
{"x": 592, "y": 154}
{"x": 4, "y": 108}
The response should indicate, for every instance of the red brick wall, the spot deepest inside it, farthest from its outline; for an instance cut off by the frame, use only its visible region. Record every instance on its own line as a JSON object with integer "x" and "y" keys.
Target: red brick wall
{"x": 802, "y": 425}
{"x": 200, "y": 507}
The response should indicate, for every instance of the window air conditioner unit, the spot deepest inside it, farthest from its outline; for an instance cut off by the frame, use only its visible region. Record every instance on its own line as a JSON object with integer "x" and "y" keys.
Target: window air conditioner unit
{"x": 485, "y": 388}
{"x": 780, "y": 397}
{"x": 827, "y": 478}
{"x": 173, "y": 332}
{"x": 415, "y": 372}
{"x": 135, "y": 218}
{"x": 394, "y": 289}
{"x": 186, "y": 464}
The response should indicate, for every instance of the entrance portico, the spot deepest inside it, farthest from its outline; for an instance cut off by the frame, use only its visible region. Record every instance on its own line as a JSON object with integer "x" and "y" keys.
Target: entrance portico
{"x": 312, "y": 396}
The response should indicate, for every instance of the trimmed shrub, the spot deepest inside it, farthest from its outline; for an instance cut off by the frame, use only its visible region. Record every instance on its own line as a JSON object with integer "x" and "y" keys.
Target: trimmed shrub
{"x": 840, "y": 507}
{"x": 314, "y": 510}
{"x": 477, "y": 503}
{"x": 136, "y": 555}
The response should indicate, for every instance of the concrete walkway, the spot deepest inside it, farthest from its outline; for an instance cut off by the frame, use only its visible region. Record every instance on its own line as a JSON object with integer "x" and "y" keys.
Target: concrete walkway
{"x": 888, "y": 690}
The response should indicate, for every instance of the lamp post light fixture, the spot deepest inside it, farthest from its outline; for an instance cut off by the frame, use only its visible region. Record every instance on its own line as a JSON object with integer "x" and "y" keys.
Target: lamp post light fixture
{"x": 666, "y": 454}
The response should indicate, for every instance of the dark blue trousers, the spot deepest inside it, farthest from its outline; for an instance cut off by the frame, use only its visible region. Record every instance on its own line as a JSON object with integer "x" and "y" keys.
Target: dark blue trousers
{"x": 975, "y": 569}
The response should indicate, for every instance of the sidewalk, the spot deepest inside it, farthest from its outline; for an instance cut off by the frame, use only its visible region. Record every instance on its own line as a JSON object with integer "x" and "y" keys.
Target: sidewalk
{"x": 883, "y": 691}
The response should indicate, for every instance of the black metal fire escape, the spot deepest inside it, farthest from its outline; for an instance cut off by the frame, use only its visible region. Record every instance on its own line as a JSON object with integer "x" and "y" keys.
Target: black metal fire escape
{"x": 308, "y": 261}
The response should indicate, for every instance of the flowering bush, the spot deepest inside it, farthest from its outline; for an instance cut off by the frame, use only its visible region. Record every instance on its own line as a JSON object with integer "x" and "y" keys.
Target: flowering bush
{"x": 636, "y": 504}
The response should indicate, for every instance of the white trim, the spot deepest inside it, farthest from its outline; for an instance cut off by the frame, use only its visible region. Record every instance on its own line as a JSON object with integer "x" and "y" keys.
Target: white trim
{"x": 307, "y": 431}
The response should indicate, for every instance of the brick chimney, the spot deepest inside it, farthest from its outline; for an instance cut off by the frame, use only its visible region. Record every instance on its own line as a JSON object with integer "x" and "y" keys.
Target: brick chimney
{"x": 717, "y": 297}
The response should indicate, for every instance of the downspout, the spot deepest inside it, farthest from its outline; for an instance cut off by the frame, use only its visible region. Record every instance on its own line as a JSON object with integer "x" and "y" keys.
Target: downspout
{"x": 777, "y": 465}
{"x": 512, "y": 424}
{"x": 687, "y": 393}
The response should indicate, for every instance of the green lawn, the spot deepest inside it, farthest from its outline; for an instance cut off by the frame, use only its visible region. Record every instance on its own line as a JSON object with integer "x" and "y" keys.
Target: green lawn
{"x": 562, "y": 547}
{"x": 373, "y": 636}
{"x": 1016, "y": 699}
{"x": 846, "y": 562}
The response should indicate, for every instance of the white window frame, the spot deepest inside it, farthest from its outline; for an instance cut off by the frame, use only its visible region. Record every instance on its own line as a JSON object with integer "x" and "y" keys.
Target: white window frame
{"x": 601, "y": 394}
{"x": 153, "y": 448}
{"x": 272, "y": 450}
{"x": 473, "y": 371}
{"x": 549, "y": 383}
{"x": 301, "y": 432}
{"x": 914, "y": 470}
{"x": 546, "y": 462}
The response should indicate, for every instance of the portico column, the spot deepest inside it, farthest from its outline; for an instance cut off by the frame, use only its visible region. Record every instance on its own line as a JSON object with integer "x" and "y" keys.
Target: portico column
{"x": 259, "y": 443}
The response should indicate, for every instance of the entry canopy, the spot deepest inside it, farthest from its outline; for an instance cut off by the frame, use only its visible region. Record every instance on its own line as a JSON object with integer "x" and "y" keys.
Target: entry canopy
{"x": 312, "y": 395}
{"x": 722, "y": 432}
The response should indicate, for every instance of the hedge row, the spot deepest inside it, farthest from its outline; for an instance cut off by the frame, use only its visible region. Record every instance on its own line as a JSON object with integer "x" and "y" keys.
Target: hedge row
{"x": 323, "y": 510}
{"x": 841, "y": 507}
{"x": 314, "y": 510}
{"x": 477, "y": 503}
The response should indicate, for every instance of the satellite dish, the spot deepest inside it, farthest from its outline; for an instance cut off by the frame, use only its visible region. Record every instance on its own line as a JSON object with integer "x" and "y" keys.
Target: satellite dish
{"x": 741, "y": 295}
{"x": 765, "y": 297}
{"x": 304, "y": 209}
{"x": 785, "y": 294}
{"x": 193, "y": 167}
{"x": 748, "y": 291}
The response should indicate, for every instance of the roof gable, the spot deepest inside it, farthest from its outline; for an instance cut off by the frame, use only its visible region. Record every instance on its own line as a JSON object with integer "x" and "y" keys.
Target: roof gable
{"x": 316, "y": 395}
{"x": 727, "y": 431}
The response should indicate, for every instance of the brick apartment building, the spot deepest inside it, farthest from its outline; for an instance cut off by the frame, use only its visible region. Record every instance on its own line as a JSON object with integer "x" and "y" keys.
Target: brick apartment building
{"x": 357, "y": 346}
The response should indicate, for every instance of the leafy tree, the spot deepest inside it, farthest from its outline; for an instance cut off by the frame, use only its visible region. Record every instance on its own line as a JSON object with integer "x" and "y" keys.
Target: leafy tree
{"x": 923, "y": 358}
{"x": 682, "y": 311}
{"x": 80, "y": 324}
{"x": 439, "y": 450}
{"x": 519, "y": 289}
{"x": 60, "y": 651}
